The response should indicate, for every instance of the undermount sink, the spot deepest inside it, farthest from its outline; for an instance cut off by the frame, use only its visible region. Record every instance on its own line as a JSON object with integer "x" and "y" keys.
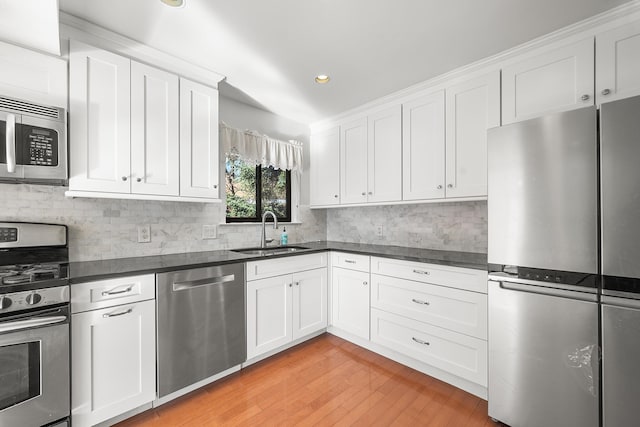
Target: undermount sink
{"x": 278, "y": 250}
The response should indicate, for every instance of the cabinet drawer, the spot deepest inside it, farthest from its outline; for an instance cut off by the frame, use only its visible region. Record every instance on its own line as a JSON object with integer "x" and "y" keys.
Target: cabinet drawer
{"x": 454, "y": 277}
{"x": 455, "y": 353}
{"x": 291, "y": 264}
{"x": 459, "y": 311}
{"x": 350, "y": 261}
{"x": 110, "y": 292}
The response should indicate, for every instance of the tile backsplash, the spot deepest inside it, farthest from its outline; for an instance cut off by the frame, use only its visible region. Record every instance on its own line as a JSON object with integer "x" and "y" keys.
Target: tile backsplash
{"x": 456, "y": 226}
{"x": 107, "y": 228}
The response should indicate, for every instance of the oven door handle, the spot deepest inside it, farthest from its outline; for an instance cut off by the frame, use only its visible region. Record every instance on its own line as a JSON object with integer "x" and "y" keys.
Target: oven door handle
{"x": 10, "y": 142}
{"x": 31, "y": 323}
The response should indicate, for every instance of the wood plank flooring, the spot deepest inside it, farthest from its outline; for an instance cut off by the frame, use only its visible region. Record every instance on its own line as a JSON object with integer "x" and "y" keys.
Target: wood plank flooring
{"x": 325, "y": 381}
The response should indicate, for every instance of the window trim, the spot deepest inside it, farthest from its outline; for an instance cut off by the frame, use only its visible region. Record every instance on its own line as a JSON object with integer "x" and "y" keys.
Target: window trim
{"x": 258, "y": 217}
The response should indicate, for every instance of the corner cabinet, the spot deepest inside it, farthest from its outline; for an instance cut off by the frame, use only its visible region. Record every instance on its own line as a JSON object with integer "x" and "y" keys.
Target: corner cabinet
{"x": 113, "y": 348}
{"x": 286, "y": 302}
{"x": 325, "y": 167}
{"x": 618, "y": 63}
{"x": 138, "y": 132}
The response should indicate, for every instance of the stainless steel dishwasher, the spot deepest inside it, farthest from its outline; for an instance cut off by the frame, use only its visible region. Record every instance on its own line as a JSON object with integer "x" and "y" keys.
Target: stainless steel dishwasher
{"x": 201, "y": 324}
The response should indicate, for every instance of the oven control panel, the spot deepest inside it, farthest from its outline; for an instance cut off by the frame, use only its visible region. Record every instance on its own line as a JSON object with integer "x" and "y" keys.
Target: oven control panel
{"x": 25, "y": 300}
{"x": 8, "y": 234}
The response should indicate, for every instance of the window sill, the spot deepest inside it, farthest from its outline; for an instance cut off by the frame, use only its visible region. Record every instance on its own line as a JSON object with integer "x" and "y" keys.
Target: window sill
{"x": 269, "y": 224}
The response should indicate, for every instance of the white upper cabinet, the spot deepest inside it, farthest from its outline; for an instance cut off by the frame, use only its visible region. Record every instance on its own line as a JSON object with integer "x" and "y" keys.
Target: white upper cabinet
{"x": 384, "y": 153}
{"x": 353, "y": 162}
{"x": 423, "y": 147}
{"x": 618, "y": 63}
{"x": 154, "y": 131}
{"x": 557, "y": 80}
{"x": 325, "y": 167}
{"x": 99, "y": 110}
{"x": 199, "y": 140}
{"x": 472, "y": 107}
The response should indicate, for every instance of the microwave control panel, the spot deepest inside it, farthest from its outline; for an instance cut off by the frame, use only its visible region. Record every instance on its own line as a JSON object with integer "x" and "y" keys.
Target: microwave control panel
{"x": 8, "y": 234}
{"x": 40, "y": 146}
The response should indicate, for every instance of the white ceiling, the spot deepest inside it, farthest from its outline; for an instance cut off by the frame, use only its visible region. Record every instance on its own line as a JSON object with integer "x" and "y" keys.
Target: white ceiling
{"x": 270, "y": 50}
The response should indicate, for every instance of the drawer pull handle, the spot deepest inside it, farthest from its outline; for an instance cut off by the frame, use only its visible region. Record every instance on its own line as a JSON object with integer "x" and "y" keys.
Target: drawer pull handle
{"x": 419, "y": 341}
{"x": 122, "y": 313}
{"x": 426, "y": 273}
{"x": 124, "y": 291}
{"x": 349, "y": 261}
{"x": 417, "y": 301}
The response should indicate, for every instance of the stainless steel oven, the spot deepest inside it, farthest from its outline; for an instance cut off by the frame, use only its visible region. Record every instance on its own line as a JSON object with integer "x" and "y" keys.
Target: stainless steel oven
{"x": 34, "y": 325}
{"x": 33, "y": 143}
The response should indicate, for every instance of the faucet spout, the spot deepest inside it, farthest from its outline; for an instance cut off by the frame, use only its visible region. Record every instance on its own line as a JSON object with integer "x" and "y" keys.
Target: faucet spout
{"x": 263, "y": 241}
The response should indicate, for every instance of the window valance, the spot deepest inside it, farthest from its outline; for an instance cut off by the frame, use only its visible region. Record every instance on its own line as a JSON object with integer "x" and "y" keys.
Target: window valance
{"x": 253, "y": 147}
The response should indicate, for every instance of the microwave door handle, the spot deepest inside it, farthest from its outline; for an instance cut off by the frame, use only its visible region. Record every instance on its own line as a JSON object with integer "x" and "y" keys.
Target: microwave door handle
{"x": 10, "y": 143}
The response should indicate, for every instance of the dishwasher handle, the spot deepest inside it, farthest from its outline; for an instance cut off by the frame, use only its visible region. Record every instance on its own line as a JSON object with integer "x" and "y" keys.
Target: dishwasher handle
{"x": 209, "y": 281}
{"x": 512, "y": 285}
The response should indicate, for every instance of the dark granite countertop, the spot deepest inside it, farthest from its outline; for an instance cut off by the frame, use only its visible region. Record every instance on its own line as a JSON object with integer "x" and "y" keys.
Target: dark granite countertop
{"x": 86, "y": 271}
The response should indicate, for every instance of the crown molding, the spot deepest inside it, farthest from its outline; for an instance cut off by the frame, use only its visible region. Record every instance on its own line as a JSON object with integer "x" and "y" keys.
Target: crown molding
{"x": 72, "y": 27}
{"x": 590, "y": 27}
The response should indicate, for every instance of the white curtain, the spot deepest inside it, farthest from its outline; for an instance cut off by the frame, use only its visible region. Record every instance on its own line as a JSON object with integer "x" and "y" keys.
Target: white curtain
{"x": 252, "y": 147}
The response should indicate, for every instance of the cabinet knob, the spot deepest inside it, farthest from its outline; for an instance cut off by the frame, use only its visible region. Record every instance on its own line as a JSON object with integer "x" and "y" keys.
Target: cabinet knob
{"x": 364, "y": 194}
{"x": 297, "y": 283}
{"x": 365, "y": 283}
{"x": 290, "y": 284}
{"x": 606, "y": 91}
{"x": 124, "y": 178}
{"x": 215, "y": 186}
{"x": 370, "y": 193}
{"x": 439, "y": 187}
{"x": 449, "y": 185}
{"x": 335, "y": 196}
{"x": 139, "y": 179}
{"x": 585, "y": 97}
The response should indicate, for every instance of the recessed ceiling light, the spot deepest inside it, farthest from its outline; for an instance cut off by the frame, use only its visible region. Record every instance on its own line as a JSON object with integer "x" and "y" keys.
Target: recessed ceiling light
{"x": 173, "y": 3}
{"x": 322, "y": 79}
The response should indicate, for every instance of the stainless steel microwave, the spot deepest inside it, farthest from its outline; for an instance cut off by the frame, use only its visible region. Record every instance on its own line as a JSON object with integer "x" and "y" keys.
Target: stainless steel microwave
{"x": 33, "y": 143}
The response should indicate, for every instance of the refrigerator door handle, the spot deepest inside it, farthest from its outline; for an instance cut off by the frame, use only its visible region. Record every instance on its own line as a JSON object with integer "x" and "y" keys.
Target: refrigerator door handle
{"x": 540, "y": 290}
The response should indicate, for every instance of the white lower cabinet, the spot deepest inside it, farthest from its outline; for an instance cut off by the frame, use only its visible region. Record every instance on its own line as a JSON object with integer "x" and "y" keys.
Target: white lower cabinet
{"x": 286, "y": 307}
{"x": 350, "y": 294}
{"x": 113, "y": 351}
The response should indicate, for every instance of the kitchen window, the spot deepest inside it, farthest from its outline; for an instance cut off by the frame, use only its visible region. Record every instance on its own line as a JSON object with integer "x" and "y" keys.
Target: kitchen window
{"x": 253, "y": 189}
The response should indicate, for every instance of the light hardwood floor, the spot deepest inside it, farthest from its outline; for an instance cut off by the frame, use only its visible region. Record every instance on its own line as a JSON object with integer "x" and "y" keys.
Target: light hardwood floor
{"x": 325, "y": 381}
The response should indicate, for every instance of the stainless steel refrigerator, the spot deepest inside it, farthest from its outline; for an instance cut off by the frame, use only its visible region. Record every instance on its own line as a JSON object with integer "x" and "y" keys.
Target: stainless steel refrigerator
{"x": 543, "y": 255}
{"x": 564, "y": 248}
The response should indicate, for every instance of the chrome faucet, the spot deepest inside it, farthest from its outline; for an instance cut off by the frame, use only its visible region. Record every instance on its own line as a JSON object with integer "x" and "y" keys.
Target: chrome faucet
{"x": 263, "y": 241}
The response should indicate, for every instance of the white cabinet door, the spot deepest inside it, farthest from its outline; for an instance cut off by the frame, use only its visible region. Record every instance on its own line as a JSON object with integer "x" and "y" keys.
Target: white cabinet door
{"x": 154, "y": 131}
{"x": 558, "y": 80}
{"x": 199, "y": 140}
{"x": 350, "y": 301}
{"x": 325, "y": 167}
{"x": 423, "y": 125}
{"x": 384, "y": 152}
{"x": 99, "y": 107}
{"x": 353, "y": 162}
{"x": 472, "y": 107}
{"x": 309, "y": 302}
{"x": 269, "y": 314}
{"x": 114, "y": 361}
{"x": 618, "y": 63}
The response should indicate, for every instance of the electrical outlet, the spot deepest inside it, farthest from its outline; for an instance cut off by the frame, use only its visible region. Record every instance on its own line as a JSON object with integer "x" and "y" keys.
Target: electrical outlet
{"x": 209, "y": 232}
{"x": 144, "y": 234}
{"x": 379, "y": 231}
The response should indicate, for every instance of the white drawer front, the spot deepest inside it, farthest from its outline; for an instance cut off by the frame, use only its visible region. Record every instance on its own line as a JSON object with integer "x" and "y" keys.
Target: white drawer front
{"x": 460, "y": 311}
{"x": 291, "y": 264}
{"x": 350, "y": 261}
{"x": 457, "y": 354}
{"x": 455, "y": 277}
{"x": 110, "y": 292}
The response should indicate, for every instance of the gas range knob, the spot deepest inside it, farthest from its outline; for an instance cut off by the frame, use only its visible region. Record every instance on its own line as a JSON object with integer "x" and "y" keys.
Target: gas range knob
{"x": 5, "y": 302}
{"x": 34, "y": 298}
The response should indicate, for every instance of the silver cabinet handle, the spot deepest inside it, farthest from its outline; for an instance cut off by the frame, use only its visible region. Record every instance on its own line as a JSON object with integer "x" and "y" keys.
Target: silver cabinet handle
{"x": 349, "y": 261}
{"x": 426, "y": 273}
{"x": 417, "y": 301}
{"x": 122, "y": 313}
{"x": 419, "y": 341}
{"x": 449, "y": 185}
{"x": 10, "y": 143}
{"x": 124, "y": 178}
{"x": 209, "y": 281}
{"x": 606, "y": 91}
{"x": 585, "y": 97}
{"x": 124, "y": 291}
{"x": 365, "y": 283}
{"x": 439, "y": 187}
